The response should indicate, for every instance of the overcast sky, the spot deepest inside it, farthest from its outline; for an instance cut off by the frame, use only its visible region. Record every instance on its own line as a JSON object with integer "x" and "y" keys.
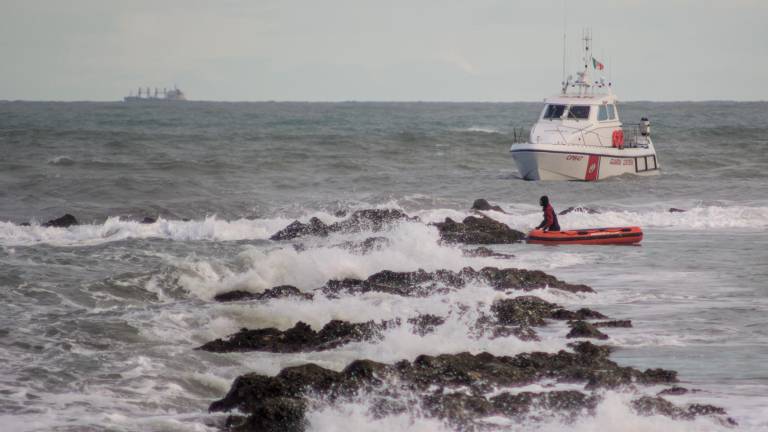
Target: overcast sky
{"x": 331, "y": 50}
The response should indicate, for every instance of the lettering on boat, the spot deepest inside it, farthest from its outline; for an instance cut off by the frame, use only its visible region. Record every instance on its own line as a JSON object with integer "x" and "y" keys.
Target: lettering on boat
{"x": 574, "y": 157}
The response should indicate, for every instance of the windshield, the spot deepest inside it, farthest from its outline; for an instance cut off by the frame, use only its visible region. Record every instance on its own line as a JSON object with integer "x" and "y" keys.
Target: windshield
{"x": 578, "y": 112}
{"x": 553, "y": 112}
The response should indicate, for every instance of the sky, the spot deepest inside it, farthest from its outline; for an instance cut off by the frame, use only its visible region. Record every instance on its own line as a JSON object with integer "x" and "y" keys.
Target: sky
{"x": 393, "y": 50}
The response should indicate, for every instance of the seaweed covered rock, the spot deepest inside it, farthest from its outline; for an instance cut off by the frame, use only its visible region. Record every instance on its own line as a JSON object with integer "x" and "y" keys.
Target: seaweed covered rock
{"x": 477, "y": 230}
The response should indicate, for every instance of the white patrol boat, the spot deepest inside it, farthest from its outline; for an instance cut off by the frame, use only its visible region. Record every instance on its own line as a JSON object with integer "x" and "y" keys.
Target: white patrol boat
{"x": 579, "y": 135}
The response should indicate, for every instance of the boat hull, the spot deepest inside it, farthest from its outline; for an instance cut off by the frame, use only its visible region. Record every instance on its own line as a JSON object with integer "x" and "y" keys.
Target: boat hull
{"x": 582, "y": 163}
{"x": 589, "y": 236}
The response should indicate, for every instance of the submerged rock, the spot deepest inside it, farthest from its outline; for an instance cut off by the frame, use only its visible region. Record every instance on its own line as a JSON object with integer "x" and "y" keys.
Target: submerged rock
{"x": 148, "y": 220}
{"x": 484, "y": 252}
{"x": 676, "y": 210}
{"x": 613, "y": 324}
{"x": 483, "y": 205}
{"x": 63, "y": 222}
{"x": 579, "y": 209}
{"x": 366, "y": 246}
{"x": 282, "y": 291}
{"x": 360, "y": 220}
{"x": 477, "y": 230}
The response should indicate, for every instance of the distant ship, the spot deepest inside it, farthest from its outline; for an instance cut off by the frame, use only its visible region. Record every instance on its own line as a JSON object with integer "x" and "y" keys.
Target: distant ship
{"x": 146, "y": 95}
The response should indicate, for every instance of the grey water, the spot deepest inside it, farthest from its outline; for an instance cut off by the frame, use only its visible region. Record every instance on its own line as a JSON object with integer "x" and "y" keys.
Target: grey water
{"x": 98, "y": 322}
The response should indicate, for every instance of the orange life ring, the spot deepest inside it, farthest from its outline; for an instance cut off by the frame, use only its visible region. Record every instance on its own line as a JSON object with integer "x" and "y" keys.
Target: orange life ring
{"x": 618, "y": 138}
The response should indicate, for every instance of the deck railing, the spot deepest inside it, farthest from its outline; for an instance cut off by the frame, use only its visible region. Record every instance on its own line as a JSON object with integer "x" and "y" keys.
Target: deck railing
{"x": 632, "y": 136}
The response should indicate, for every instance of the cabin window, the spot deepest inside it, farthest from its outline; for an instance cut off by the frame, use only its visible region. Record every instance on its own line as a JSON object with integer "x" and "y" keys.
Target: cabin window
{"x": 602, "y": 113}
{"x": 579, "y": 112}
{"x": 553, "y": 112}
{"x": 612, "y": 114}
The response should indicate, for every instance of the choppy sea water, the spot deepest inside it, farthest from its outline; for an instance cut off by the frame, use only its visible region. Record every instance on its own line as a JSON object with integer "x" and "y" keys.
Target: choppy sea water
{"x": 98, "y": 322}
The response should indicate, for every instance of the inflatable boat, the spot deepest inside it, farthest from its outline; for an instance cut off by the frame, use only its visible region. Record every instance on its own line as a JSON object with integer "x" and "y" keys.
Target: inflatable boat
{"x": 588, "y": 236}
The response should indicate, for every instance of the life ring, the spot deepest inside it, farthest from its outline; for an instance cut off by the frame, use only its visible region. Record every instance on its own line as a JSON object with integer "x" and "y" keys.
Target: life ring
{"x": 618, "y": 138}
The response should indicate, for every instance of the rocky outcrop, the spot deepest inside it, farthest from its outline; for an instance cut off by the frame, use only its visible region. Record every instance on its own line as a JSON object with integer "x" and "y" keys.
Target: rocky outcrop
{"x": 360, "y": 220}
{"x": 583, "y": 329}
{"x": 477, "y": 230}
{"x": 457, "y": 388}
{"x": 299, "y": 338}
{"x": 421, "y": 283}
{"x": 63, "y": 222}
{"x": 282, "y": 291}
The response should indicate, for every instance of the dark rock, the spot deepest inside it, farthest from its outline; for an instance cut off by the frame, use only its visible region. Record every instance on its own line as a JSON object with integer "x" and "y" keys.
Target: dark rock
{"x": 25, "y": 224}
{"x": 453, "y": 387}
{"x": 483, "y": 205}
{"x": 421, "y": 283}
{"x": 63, "y": 222}
{"x": 510, "y": 278}
{"x": 579, "y": 209}
{"x": 474, "y": 230}
{"x": 360, "y": 220}
{"x": 583, "y": 329}
{"x": 298, "y": 229}
{"x": 676, "y": 210}
{"x": 658, "y": 376}
{"x": 485, "y": 253}
{"x": 613, "y": 324}
{"x": 299, "y": 338}
{"x": 673, "y": 391}
{"x": 282, "y": 291}
{"x": 581, "y": 314}
{"x": 522, "y": 311}
{"x": 148, "y": 220}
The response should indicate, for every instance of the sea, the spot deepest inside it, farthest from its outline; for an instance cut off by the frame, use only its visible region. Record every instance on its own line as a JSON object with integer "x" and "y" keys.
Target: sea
{"x": 99, "y": 322}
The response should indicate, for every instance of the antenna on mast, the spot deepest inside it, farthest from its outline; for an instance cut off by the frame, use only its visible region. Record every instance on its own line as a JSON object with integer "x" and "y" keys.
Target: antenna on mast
{"x": 564, "y": 34}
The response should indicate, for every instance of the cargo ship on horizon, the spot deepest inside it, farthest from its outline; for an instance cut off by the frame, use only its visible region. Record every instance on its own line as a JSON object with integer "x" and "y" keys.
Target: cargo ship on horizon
{"x": 146, "y": 95}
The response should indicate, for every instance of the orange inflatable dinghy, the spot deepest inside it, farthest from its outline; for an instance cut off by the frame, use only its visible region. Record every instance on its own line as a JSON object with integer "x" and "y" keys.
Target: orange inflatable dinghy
{"x": 589, "y": 236}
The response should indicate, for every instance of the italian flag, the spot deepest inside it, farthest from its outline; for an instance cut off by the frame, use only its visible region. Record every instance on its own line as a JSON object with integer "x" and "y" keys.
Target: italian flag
{"x": 597, "y": 65}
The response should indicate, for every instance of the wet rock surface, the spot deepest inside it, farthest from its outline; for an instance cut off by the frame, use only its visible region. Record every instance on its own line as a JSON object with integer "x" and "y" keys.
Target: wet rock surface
{"x": 477, "y": 230}
{"x": 360, "y": 220}
{"x": 299, "y": 338}
{"x": 282, "y": 291}
{"x": 484, "y": 252}
{"x": 63, "y": 222}
{"x": 457, "y": 388}
{"x": 482, "y": 204}
{"x": 579, "y": 209}
{"x": 421, "y": 283}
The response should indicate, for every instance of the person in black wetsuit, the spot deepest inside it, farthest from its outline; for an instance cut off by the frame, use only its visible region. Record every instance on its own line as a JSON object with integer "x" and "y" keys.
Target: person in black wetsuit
{"x": 550, "y": 217}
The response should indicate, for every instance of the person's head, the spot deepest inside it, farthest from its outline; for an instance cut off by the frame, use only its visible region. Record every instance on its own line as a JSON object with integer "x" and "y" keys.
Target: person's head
{"x": 544, "y": 200}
